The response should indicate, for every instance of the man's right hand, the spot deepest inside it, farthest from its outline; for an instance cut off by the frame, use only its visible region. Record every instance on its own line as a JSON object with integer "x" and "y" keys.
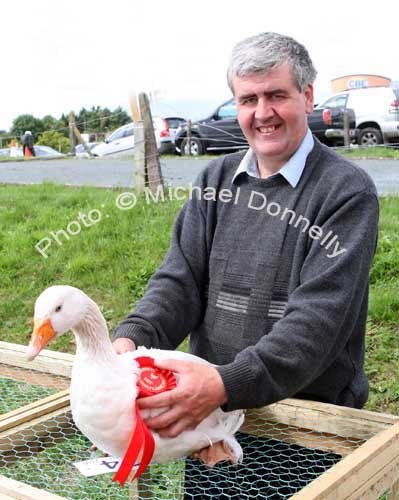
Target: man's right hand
{"x": 122, "y": 345}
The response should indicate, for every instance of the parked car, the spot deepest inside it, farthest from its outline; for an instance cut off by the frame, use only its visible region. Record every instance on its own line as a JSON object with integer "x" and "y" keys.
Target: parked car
{"x": 122, "y": 139}
{"x": 46, "y": 151}
{"x": 218, "y": 132}
{"x": 221, "y": 131}
{"x": 174, "y": 123}
{"x": 377, "y": 112}
{"x": 327, "y": 124}
{"x": 39, "y": 151}
{"x": 80, "y": 151}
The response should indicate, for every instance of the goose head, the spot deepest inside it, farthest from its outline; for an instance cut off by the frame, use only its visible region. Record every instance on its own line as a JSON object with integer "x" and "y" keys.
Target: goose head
{"x": 57, "y": 310}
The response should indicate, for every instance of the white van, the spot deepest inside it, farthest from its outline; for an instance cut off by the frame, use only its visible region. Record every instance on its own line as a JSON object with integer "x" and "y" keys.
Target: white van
{"x": 376, "y": 110}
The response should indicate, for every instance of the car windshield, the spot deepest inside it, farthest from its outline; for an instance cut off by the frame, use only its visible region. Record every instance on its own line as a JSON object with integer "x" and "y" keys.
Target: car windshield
{"x": 174, "y": 122}
{"x": 338, "y": 101}
{"x": 120, "y": 132}
{"x": 228, "y": 110}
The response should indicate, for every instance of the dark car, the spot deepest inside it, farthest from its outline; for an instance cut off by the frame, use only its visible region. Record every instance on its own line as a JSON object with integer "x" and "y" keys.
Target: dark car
{"x": 327, "y": 124}
{"x": 218, "y": 132}
{"x": 221, "y": 131}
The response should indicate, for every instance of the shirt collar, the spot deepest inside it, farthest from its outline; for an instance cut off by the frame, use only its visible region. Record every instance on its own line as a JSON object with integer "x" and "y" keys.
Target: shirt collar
{"x": 291, "y": 171}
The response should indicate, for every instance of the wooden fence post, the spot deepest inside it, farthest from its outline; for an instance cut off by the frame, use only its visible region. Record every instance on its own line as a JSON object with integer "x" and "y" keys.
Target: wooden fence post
{"x": 74, "y": 135}
{"x": 153, "y": 174}
{"x": 139, "y": 149}
{"x": 72, "y": 140}
{"x": 81, "y": 140}
{"x": 346, "y": 129}
{"x": 188, "y": 138}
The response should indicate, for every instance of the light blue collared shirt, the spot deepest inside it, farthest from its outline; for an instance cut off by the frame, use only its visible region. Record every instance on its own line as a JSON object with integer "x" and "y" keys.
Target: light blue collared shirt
{"x": 291, "y": 171}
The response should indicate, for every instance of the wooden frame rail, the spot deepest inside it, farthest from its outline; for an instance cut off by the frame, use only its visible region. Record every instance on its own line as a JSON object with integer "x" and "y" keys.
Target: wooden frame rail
{"x": 368, "y": 441}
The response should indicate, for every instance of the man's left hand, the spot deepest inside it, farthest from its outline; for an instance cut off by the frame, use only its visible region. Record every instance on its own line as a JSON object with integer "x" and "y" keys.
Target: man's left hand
{"x": 200, "y": 391}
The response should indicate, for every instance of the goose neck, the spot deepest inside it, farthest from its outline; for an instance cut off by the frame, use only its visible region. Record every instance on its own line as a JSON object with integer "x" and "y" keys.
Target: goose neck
{"x": 92, "y": 339}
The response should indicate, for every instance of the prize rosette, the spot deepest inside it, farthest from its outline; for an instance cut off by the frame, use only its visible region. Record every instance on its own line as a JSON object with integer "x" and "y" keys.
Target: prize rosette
{"x": 153, "y": 380}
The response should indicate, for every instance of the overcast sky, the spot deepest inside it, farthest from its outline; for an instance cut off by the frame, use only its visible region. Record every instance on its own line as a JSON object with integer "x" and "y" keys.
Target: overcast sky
{"x": 62, "y": 55}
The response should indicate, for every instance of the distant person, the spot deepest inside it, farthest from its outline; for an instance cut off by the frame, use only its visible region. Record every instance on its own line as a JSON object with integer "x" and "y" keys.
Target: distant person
{"x": 27, "y": 144}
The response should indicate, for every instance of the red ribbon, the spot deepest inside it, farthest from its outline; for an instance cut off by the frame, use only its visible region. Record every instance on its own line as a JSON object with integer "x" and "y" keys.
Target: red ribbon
{"x": 152, "y": 380}
{"x": 141, "y": 439}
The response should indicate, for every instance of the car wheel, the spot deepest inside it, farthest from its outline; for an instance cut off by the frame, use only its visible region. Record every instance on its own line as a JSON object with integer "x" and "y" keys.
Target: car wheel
{"x": 196, "y": 147}
{"x": 369, "y": 137}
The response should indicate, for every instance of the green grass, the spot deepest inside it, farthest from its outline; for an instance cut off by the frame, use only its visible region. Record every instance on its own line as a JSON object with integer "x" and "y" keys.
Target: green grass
{"x": 61, "y": 477}
{"x": 384, "y": 279}
{"x": 370, "y": 152}
{"x": 382, "y": 367}
{"x": 113, "y": 260}
{"x": 15, "y": 394}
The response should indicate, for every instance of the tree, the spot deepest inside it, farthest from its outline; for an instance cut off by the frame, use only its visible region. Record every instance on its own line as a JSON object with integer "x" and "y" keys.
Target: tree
{"x": 99, "y": 119}
{"x": 64, "y": 123}
{"x": 26, "y": 122}
{"x": 55, "y": 140}
{"x": 118, "y": 118}
{"x": 51, "y": 123}
{"x": 96, "y": 119}
{"x": 4, "y": 139}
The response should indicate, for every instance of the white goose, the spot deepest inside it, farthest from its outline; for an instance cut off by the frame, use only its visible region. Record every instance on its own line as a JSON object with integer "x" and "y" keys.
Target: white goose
{"x": 103, "y": 385}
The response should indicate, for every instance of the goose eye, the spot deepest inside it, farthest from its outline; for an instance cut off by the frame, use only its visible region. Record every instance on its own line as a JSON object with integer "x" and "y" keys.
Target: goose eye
{"x": 58, "y": 309}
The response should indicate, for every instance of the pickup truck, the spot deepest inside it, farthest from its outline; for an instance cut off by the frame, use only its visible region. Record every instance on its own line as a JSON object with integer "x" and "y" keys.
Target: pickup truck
{"x": 221, "y": 131}
{"x": 327, "y": 125}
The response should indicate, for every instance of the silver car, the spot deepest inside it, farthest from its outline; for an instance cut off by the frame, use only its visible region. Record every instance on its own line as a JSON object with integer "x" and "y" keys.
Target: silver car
{"x": 121, "y": 141}
{"x": 376, "y": 110}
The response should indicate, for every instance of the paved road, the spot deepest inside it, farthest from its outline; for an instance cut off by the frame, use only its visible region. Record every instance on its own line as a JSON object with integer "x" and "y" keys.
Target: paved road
{"x": 110, "y": 172}
{"x": 177, "y": 172}
{"x": 385, "y": 174}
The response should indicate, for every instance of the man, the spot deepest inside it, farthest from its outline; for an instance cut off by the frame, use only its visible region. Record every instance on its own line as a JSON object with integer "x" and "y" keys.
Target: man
{"x": 27, "y": 144}
{"x": 270, "y": 276}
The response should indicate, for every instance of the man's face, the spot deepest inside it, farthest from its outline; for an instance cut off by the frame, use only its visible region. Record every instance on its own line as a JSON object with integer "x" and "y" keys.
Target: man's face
{"x": 272, "y": 113}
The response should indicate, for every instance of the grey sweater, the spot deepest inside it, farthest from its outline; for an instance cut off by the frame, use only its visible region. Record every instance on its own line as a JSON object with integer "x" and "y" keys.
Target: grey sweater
{"x": 270, "y": 281}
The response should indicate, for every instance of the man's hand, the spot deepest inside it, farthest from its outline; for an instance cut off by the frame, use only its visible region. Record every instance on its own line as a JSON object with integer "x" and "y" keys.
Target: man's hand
{"x": 123, "y": 345}
{"x": 200, "y": 391}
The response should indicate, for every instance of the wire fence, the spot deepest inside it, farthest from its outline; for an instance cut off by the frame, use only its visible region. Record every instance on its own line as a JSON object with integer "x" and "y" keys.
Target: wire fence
{"x": 224, "y": 141}
{"x": 287, "y": 448}
{"x": 64, "y": 128}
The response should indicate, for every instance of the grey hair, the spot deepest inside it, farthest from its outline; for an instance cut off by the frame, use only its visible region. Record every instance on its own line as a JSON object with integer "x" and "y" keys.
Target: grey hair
{"x": 267, "y": 51}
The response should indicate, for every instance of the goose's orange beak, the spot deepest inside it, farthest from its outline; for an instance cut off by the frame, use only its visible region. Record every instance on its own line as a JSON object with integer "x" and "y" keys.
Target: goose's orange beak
{"x": 42, "y": 333}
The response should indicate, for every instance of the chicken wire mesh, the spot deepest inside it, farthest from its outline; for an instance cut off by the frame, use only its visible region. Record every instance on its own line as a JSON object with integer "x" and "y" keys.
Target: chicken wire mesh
{"x": 280, "y": 459}
{"x": 21, "y": 386}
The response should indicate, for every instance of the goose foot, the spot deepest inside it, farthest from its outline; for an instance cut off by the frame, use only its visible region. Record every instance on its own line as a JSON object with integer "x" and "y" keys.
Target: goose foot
{"x": 215, "y": 453}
